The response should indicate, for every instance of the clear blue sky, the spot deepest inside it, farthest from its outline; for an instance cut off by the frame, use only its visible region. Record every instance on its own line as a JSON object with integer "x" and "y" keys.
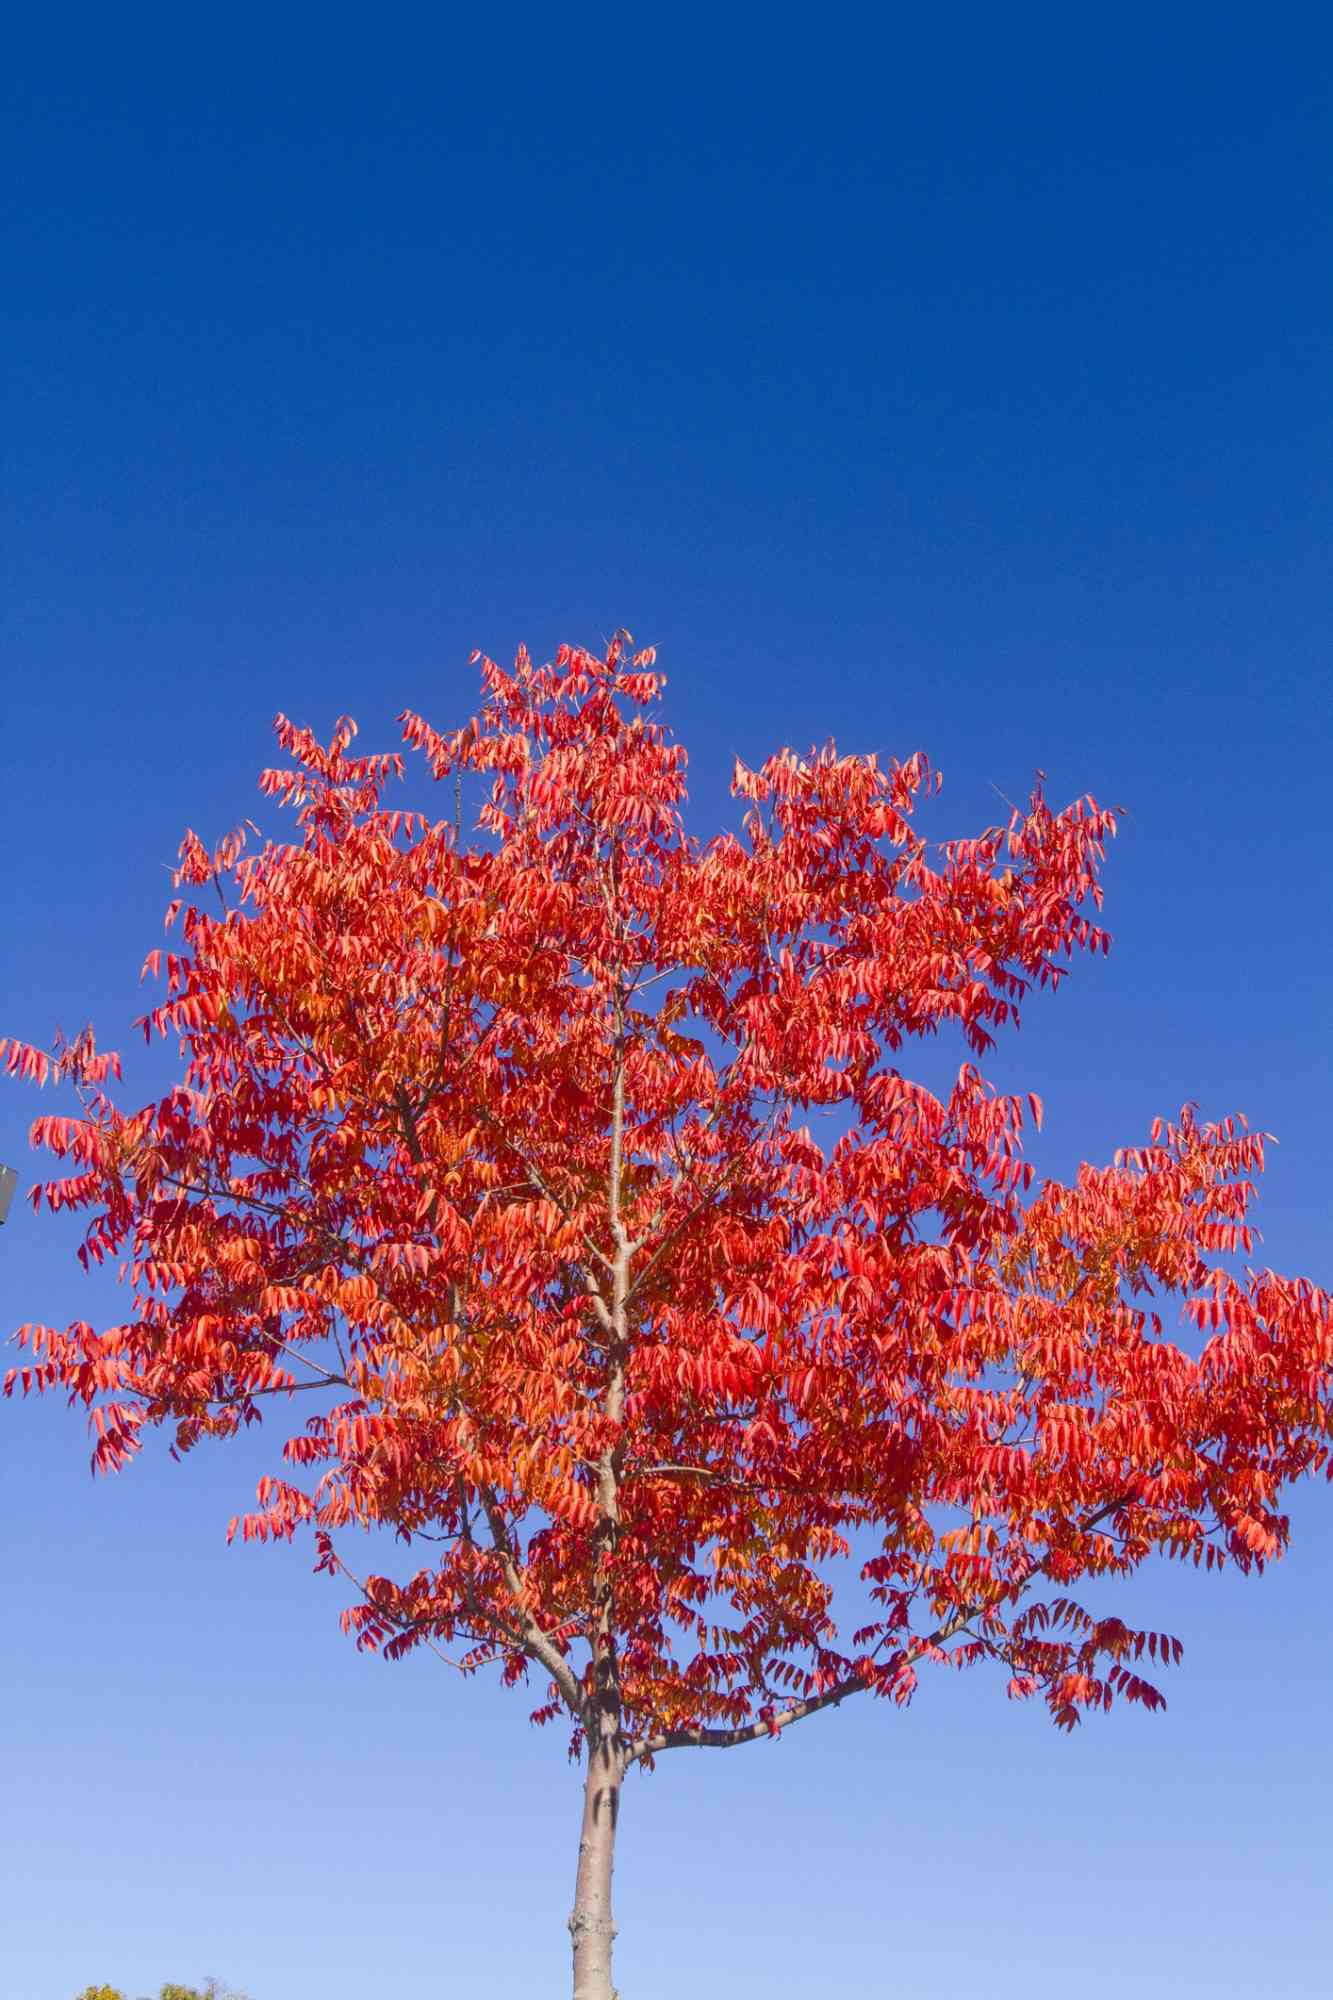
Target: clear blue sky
{"x": 958, "y": 382}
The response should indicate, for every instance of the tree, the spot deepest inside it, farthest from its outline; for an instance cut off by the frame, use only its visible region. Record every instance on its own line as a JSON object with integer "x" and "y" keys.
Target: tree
{"x": 212, "y": 1989}
{"x": 567, "y": 1176}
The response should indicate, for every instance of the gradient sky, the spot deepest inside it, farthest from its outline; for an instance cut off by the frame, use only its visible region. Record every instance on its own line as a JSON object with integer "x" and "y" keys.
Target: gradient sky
{"x": 961, "y": 386}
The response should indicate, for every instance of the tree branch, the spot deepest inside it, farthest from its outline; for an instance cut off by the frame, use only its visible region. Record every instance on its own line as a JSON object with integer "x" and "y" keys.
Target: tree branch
{"x": 531, "y": 1637}
{"x": 534, "y": 1175}
{"x": 394, "y": 1617}
{"x": 752, "y": 1732}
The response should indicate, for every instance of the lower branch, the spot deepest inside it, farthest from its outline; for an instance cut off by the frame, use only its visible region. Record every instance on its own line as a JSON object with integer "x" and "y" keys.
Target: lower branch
{"x": 703, "y": 1738}
{"x": 746, "y": 1732}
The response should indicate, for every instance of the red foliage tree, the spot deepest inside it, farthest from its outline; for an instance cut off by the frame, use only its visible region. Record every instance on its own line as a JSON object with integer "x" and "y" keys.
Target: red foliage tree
{"x": 500, "y": 1150}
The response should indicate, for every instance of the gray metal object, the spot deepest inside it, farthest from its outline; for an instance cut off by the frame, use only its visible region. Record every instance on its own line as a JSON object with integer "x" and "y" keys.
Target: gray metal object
{"x": 9, "y": 1180}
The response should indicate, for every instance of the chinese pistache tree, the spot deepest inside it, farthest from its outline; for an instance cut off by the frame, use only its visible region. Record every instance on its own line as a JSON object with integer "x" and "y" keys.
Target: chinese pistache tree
{"x": 563, "y": 1173}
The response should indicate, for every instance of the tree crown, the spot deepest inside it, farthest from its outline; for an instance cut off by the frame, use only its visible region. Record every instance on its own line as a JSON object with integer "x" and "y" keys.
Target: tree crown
{"x": 569, "y": 1170}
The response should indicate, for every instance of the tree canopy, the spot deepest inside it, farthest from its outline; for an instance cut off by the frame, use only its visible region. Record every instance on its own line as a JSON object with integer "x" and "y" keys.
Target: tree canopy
{"x": 566, "y": 1169}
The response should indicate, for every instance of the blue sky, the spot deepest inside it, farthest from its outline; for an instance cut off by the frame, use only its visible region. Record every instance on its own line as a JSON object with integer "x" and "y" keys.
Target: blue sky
{"x": 960, "y": 385}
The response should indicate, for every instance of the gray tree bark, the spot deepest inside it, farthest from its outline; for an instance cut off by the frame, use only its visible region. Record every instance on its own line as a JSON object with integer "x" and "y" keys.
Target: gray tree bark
{"x": 591, "y": 1923}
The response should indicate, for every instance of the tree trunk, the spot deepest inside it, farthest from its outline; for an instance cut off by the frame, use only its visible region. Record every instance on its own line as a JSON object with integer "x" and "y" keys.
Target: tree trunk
{"x": 590, "y": 1922}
